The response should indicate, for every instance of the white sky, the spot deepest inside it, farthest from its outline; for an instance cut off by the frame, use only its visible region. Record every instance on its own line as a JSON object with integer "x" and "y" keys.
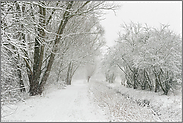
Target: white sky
{"x": 151, "y": 12}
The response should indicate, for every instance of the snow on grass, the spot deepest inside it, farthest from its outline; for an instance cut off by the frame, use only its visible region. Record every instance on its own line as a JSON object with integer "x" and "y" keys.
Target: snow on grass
{"x": 167, "y": 107}
{"x": 118, "y": 108}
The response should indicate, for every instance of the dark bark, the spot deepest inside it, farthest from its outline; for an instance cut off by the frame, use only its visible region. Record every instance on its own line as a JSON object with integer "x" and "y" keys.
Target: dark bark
{"x": 88, "y": 78}
{"x": 135, "y": 72}
{"x": 38, "y": 54}
{"x": 156, "y": 85}
{"x": 167, "y": 86}
{"x": 143, "y": 86}
{"x": 167, "y": 83}
{"x": 112, "y": 78}
{"x": 148, "y": 80}
{"x": 21, "y": 83}
{"x": 50, "y": 17}
{"x": 57, "y": 40}
{"x": 160, "y": 81}
{"x": 126, "y": 74}
{"x": 156, "y": 81}
{"x": 35, "y": 82}
{"x": 69, "y": 71}
{"x": 59, "y": 71}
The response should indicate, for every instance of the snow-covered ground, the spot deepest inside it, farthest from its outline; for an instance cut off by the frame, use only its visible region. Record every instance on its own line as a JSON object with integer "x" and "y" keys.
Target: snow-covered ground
{"x": 118, "y": 108}
{"x": 70, "y": 104}
{"x": 95, "y": 101}
{"x": 167, "y": 107}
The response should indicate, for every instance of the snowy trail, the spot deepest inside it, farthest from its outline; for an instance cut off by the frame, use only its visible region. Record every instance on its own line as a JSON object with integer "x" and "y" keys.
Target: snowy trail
{"x": 70, "y": 104}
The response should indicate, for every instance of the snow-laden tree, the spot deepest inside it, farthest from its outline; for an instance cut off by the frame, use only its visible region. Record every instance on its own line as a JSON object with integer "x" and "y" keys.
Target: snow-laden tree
{"x": 108, "y": 65}
{"x": 42, "y": 27}
{"x": 149, "y": 57}
{"x": 79, "y": 48}
{"x": 12, "y": 34}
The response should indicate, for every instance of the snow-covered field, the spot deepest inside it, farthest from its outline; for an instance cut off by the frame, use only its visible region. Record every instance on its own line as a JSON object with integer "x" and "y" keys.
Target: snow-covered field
{"x": 95, "y": 101}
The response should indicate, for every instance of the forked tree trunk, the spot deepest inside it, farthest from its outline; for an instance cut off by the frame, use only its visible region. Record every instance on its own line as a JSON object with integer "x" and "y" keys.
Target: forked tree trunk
{"x": 148, "y": 80}
{"x": 38, "y": 54}
{"x": 61, "y": 28}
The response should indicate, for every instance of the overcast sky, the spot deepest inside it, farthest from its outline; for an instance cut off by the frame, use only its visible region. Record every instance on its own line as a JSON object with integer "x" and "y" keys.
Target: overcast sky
{"x": 152, "y": 13}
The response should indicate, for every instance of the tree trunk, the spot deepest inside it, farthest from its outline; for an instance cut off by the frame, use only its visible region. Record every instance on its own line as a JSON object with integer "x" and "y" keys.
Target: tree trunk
{"x": 168, "y": 81}
{"x": 57, "y": 40}
{"x": 69, "y": 71}
{"x": 88, "y": 78}
{"x": 35, "y": 82}
{"x": 148, "y": 80}
{"x": 156, "y": 81}
{"x": 127, "y": 76}
{"x": 156, "y": 85}
{"x": 19, "y": 36}
{"x": 135, "y": 78}
{"x": 143, "y": 86}
{"x": 38, "y": 54}
{"x": 22, "y": 87}
{"x": 167, "y": 86}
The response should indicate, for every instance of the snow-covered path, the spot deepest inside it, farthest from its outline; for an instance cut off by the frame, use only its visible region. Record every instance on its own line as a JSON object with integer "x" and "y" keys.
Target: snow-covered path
{"x": 70, "y": 104}
{"x": 81, "y": 101}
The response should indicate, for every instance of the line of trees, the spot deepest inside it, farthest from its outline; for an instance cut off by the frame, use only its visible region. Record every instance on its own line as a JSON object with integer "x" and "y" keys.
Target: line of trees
{"x": 46, "y": 38}
{"x": 150, "y": 58}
